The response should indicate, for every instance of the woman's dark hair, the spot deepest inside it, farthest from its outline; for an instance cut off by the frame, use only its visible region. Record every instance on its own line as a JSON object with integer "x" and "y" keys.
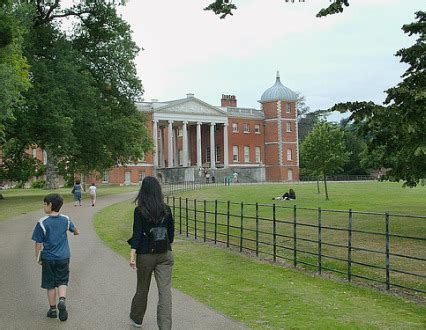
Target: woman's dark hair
{"x": 77, "y": 181}
{"x": 150, "y": 200}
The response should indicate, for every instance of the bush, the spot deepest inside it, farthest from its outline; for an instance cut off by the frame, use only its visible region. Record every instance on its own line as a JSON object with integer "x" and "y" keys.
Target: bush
{"x": 38, "y": 184}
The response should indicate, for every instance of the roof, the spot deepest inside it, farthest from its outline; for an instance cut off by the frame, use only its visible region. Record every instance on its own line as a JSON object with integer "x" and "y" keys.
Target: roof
{"x": 278, "y": 92}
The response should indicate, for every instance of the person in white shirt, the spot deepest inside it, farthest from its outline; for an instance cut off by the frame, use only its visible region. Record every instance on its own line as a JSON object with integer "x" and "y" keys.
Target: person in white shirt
{"x": 92, "y": 193}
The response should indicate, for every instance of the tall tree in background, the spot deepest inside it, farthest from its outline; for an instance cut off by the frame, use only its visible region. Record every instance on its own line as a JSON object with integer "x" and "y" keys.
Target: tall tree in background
{"x": 396, "y": 133}
{"x": 324, "y": 151}
{"x": 80, "y": 107}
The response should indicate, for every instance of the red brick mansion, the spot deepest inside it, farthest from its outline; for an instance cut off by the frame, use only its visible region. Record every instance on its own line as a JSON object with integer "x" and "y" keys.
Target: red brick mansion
{"x": 192, "y": 137}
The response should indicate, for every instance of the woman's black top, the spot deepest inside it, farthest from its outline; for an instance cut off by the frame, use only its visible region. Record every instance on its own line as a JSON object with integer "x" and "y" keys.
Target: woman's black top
{"x": 141, "y": 227}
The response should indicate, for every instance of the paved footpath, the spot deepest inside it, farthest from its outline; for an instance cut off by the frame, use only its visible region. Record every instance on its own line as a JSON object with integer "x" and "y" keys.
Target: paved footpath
{"x": 101, "y": 282}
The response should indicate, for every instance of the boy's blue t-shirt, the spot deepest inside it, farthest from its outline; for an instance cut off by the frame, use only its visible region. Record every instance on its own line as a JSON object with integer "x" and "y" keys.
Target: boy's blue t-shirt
{"x": 52, "y": 232}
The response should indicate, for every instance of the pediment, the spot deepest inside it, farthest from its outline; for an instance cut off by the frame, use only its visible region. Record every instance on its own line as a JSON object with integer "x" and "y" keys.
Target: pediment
{"x": 192, "y": 106}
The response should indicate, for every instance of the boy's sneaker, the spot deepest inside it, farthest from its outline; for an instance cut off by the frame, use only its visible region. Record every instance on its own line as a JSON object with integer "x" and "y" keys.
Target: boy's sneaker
{"x": 52, "y": 313}
{"x": 63, "y": 314}
{"x": 134, "y": 323}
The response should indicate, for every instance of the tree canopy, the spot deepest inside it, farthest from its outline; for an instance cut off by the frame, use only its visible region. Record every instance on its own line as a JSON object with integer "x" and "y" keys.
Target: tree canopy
{"x": 395, "y": 132}
{"x": 80, "y": 106}
{"x": 226, "y": 7}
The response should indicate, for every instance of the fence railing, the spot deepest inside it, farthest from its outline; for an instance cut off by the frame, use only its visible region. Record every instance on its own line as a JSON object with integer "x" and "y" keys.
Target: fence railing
{"x": 387, "y": 249}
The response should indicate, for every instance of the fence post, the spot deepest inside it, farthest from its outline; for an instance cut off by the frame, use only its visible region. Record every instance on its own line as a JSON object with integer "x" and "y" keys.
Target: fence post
{"x": 350, "y": 246}
{"x": 274, "y": 229}
{"x": 186, "y": 213}
{"x": 174, "y": 212}
{"x": 257, "y": 229}
{"x": 294, "y": 237}
{"x": 167, "y": 199}
{"x": 387, "y": 252}
{"x": 180, "y": 215}
{"x": 241, "y": 226}
{"x": 205, "y": 220}
{"x": 319, "y": 241}
{"x": 227, "y": 223}
{"x": 215, "y": 221}
{"x": 195, "y": 218}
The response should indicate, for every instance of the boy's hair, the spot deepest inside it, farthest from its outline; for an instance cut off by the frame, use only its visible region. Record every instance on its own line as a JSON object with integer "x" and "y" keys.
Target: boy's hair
{"x": 56, "y": 200}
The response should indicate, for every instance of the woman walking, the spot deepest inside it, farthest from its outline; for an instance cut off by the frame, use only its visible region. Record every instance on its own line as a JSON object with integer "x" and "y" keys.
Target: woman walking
{"x": 153, "y": 233}
{"x": 76, "y": 190}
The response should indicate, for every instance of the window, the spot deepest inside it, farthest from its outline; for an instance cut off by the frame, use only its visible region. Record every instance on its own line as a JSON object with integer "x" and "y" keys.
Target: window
{"x": 217, "y": 154}
{"x": 208, "y": 155}
{"x": 34, "y": 152}
{"x": 288, "y": 125}
{"x": 289, "y": 154}
{"x": 287, "y": 108}
{"x": 105, "y": 177}
{"x": 141, "y": 175}
{"x": 44, "y": 157}
{"x": 180, "y": 157}
{"x": 257, "y": 129}
{"x": 142, "y": 159}
{"x": 246, "y": 128}
{"x": 234, "y": 128}
{"x": 290, "y": 174}
{"x": 180, "y": 131}
{"x": 235, "y": 154}
{"x": 246, "y": 154}
{"x": 257, "y": 150}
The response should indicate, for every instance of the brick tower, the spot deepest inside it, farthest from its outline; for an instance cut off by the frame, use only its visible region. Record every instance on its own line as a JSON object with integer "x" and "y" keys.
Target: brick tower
{"x": 281, "y": 143}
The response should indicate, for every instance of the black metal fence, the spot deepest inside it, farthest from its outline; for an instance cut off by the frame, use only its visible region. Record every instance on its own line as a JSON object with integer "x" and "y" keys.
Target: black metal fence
{"x": 387, "y": 249}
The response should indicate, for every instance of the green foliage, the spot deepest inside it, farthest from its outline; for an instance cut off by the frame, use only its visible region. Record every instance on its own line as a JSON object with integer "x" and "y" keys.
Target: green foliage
{"x": 38, "y": 184}
{"x": 323, "y": 151}
{"x": 80, "y": 106}
{"x": 395, "y": 134}
{"x": 225, "y": 7}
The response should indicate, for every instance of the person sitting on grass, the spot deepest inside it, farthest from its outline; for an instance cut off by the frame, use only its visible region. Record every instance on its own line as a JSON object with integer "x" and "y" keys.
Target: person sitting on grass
{"x": 286, "y": 196}
{"x": 50, "y": 233}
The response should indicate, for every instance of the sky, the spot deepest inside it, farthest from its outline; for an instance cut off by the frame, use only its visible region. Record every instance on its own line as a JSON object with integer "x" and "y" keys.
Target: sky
{"x": 338, "y": 58}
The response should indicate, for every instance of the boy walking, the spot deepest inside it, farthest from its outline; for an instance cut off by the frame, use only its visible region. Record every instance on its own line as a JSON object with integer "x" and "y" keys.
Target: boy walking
{"x": 50, "y": 234}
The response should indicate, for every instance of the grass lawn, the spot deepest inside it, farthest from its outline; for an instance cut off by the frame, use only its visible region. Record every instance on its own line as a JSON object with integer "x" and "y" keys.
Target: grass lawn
{"x": 265, "y": 296}
{"x": 382, "y": 196}
{"x": 21, "y": 201}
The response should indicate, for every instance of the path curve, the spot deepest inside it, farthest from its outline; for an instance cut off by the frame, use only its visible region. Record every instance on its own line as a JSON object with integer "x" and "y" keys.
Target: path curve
{"x": 101, "y": 282}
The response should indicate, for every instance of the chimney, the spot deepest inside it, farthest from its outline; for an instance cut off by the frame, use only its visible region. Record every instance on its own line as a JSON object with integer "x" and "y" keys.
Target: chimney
{"x": 228, "y": 101}
{"x": 189, "y": 95}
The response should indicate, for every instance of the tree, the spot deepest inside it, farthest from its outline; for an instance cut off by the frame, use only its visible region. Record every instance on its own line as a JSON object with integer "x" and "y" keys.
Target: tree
{"x": 324, "y": 151}
{"x": 225, "y": 7}
{"x": 395, "y": 133}
{"x": 359, "y": 159}
{"x": 81, "y": 106}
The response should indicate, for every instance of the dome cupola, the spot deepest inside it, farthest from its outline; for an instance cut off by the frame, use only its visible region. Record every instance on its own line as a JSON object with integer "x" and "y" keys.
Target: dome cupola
{"x": 278, "y": 92}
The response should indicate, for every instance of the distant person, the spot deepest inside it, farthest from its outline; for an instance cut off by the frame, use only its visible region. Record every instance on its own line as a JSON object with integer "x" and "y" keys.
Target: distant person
{"x": 92, "y": 193}
{"x": 50, "y": 234}
{"x": 153, "y": 233}
{"x": 76, "y": 190}
{"x": 286, "y": 196}
{"x": 235, "y": 175}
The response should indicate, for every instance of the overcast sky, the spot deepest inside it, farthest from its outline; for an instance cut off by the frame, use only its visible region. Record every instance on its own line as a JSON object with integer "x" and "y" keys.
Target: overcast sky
{"x": 345, "y": 57}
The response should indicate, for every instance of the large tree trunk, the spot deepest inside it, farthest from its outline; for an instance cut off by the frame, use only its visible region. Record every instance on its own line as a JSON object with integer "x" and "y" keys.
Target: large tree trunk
{"x": 325, "y": 187}
{"x": 52, "y": 179}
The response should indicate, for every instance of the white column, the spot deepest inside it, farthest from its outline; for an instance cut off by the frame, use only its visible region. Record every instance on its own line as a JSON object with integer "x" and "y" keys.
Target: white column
{"x": 225, "y": 146}
{"x": 199, "y": 163}
{"x": 162, "y": 153}
{"x": 155, "y": 140}
{"x": 212, "y": 147}
{"x": 170, "y": 144}
{"x": 175, "y": 149}
{"x": 185, "y": 144}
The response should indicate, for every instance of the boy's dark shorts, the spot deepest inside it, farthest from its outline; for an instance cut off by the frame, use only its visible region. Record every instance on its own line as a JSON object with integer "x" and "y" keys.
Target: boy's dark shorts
{"x": 55, "y": 273}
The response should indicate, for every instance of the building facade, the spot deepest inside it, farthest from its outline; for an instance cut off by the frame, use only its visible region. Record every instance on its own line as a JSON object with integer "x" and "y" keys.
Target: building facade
{"x": 192, "y": 138}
